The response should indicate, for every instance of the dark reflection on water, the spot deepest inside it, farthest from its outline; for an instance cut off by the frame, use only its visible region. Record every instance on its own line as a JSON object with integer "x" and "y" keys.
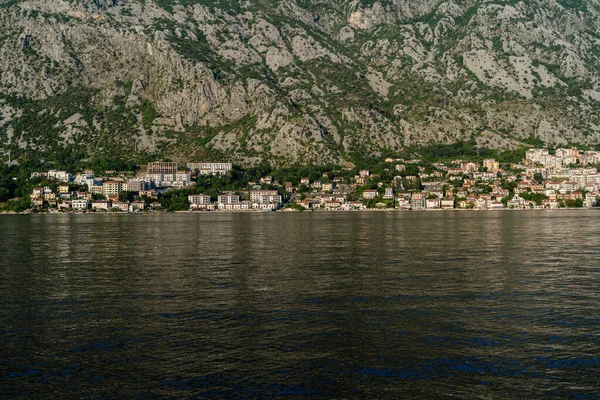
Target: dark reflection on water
{"x": 344, "y": 305}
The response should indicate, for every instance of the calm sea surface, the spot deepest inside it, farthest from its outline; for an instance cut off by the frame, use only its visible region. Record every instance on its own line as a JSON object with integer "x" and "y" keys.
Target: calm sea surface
{"x": 277, "y": 305}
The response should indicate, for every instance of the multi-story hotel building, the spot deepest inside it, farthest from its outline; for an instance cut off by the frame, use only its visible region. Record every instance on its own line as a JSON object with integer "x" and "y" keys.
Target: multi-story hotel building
{"x": 228, "y": 199}
{"x": 265, "y": 196}
{"x": 111, "y": 188}
{"x": 199, "y": 199}
{"x": 136, "y": 185}
{"x": 162, "y": 168}
{"x": 209, "y": 168}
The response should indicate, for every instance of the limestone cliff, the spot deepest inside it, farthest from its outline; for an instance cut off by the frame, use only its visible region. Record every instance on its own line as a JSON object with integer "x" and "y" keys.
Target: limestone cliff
{"x": 305, "y": 81}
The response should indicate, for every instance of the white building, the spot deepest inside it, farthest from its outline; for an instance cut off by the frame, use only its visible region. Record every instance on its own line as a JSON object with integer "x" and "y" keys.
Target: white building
{"x": 84, "y": 179}
{"x": 328, "y": 187}
{"x": 265, "y": 196}
{"x": 566, "y": 187}
{"x": 96, "y": 189}
{"x": 62, "y": 176}
{"x": 111, "y": 188}
{"x": 228, "y": 199}
{"x": 200, "y": 199}
{"x": 80, "y": 204}
{"x": 156, "y": 179}
{"x": 209, "y": 168}
{"x": 536, "y": 155}
{"x": 183, "y": 177}
{"x": 432, "y": 203}
{"x": 370, "y": 194}
{"x": 264, "y": 206}
{"x": 101, "y": 205}
{"x": 241, "y": 206}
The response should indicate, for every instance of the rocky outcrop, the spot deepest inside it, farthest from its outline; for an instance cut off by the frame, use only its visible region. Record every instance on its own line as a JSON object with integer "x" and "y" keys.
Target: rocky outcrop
{"x": 294, "y": 82}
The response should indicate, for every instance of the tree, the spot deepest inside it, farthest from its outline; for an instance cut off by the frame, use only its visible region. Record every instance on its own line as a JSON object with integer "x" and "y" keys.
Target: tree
{"x": 126, "y": 196}
{"x": 296, "y": 207}
{"x": 537, "y": 197}
{"x": 18, "y": 205}
{"x": 577, "y": 203}
{"x": 174, "y": 200}
{"x": 7, "y": 183}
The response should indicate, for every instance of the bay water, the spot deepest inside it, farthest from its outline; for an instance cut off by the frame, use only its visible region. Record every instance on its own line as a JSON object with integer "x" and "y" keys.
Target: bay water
{"x": 301, "y": 305}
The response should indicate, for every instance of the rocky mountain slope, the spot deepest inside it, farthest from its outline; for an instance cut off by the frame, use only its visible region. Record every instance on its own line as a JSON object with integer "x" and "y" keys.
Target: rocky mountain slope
{"x": 293, "y": 81}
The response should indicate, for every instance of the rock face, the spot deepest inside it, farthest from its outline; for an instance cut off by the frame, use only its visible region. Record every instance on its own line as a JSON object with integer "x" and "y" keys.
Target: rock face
{"x": 287, "y": 82}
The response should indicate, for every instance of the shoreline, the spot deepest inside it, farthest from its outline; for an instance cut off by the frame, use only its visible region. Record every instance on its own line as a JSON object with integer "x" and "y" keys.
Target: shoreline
{"x": 299, "y": 212}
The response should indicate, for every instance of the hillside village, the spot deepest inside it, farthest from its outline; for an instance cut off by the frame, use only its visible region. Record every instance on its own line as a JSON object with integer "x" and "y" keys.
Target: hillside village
{"x": 567, "y": 177}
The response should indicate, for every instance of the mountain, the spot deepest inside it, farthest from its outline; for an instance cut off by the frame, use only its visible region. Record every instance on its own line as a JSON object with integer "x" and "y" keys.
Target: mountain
{"x": 293, "y": 81}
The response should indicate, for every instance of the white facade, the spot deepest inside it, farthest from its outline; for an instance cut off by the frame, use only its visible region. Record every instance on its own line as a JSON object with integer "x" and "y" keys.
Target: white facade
{"x": 156, "y": 179}
{"x": 370, "y": 194}
{"x": 389, "y": 193}
{"x": 228, "y": 199}
{"x": 101, "y": 205}
{"x": 62, "y": 176}
{"x": 432, "y": 203}
{"x": 80, "y": 204}
{"x": 536, "y": 155}
{"x": 242, "y": 206}
{"x": 199, "y": 199}
{"x": 259, "y": 195}
{"x": 84, "y": 179}
{"x": 111, "y": 188}
{"x": 566, "y": 187}
{"x": 182, "y": 177}
{"x": 210, "y": 168}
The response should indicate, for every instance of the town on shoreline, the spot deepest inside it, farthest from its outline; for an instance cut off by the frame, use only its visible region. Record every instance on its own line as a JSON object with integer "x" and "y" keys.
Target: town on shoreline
{"x": 544, "y": 179}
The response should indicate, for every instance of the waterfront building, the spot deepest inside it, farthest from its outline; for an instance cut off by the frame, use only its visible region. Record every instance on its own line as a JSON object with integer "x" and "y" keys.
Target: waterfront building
{"x": 447, "y": 204}
{"x": 200, "y": 199}
{"x": 138, "y": 205}
{"x": 432, "y": 203}
{"x": 332, "y": 205}
{"x": 80, "y": 204}
{"x": 101, "y": 205}
{"x": 228, "y": 199}
{"x": 418, "y": 201}
{"x": 264, "y": 196}
{"x": 123, "y": 206}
